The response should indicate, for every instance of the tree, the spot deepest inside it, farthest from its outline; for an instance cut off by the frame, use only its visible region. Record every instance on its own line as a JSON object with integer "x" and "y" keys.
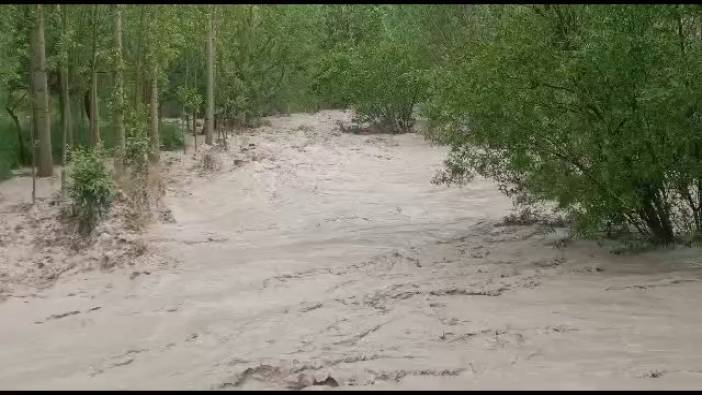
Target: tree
{"x": 376, "y": 62}
{"x": 118, "y": 99}
{"x": 13, "y": 46}
{"x": 210, "y": 75}
{"x": 263, "y": 55}
{"x": 164, "y": 41}
{"x": 65, "y": 96}
{"x": 191, "y": 102}
{"x": 40, "y": 95}
{"x": 94, "y": 107}
{"x": 596, "y": 108}
{"x": 153, "y": 117}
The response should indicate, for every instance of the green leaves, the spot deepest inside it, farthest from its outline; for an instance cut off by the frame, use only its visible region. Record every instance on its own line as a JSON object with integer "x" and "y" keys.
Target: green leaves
{"x": 91, "y": 187}
{"x": 189, "y": 97}
{"x": 13, "y": 46}
{"x": 590, "y": 106}
{"x": 164, "y": 38}
{"x": 595, "y": 107}
{"x": 137, "y": 147}
{"x": 381, "y": 72}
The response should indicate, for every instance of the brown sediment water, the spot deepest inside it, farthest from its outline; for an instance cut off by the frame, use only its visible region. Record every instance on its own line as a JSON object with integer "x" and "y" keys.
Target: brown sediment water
{"x": 313, "y": 259}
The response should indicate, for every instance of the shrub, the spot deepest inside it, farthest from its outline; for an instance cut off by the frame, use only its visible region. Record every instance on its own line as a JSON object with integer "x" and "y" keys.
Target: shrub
{"x": 137, "y": 146}
{"x": 91, "y": 187}
{"x": 171, "y": 136}
{"x": 597, "y": 108}
{"x": 387, "y": 83}
{"x": 382, "y": 73}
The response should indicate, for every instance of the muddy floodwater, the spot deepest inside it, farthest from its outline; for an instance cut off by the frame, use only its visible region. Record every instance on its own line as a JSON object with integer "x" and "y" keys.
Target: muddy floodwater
{"x": 306, "y": 258}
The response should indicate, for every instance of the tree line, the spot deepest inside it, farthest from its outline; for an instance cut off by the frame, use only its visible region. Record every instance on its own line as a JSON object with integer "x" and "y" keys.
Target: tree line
{"x": 595, "y": 108}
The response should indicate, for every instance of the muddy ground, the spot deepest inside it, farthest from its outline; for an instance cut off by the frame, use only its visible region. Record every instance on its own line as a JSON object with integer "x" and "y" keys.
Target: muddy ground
{"x": 305, "y": 258}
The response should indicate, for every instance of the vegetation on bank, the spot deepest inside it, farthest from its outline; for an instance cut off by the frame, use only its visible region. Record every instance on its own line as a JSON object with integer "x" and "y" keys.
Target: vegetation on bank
{"x": 595, "y": 108}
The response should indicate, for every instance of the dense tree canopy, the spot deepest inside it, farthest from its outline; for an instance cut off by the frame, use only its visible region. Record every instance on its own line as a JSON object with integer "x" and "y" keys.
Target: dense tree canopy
{"x": 594, "y": 107}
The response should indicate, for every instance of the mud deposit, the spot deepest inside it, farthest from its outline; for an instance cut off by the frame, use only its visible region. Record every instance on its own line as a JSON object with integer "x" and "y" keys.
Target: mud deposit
{"x": 305, "y": 258}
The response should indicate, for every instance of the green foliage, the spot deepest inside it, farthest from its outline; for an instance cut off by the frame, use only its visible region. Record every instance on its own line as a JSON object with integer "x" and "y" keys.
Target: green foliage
{"x": 382, "y": 73}
{"x": 595, "y": 107}
{"x": 91, "y": 187}
{"x": 5, "y": 169}
{"x": 13, "y": 44}
{"x": 9, "y": 158}
{"x": 163, "y": 38}
{"x": 261, "y": 54}
{"x": 171, "y": 136}
{"x": 9, "y": 150}
{"x": 386, "y": 84}
{"x": 189, "y": 99}
{"x": 136, "y": 141}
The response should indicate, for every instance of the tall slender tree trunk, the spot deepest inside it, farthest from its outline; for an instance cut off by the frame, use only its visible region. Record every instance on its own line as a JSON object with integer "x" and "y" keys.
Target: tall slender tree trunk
{"x": 138, "y": 90}
{"x": 160, "y": 121}
{"x": 183, "y": 122}
{"x": 34, "y": 155}
{"x": 68, "y": 120}
{"x": 153, "y": 112}
{"x": 185, "y": 119}
{"x": 160, "y": 115}
{"x": 118, "y": 117}
{"x": 41, "y": 96}
{"x": 79, "y": 134}
{"x": 33, "y": 106}
{"x": 195, "y": 110}
{"x": 71, "y": 131}
{"x": 94, "y": 111}
{"x": 210, "y": 77}
{"x": 146, "y": 92}
{"x": 65, "y": 101}
{"x": 194, "y": 131}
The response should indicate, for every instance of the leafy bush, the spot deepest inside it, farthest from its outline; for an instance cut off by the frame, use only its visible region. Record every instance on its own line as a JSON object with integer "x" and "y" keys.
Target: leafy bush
{"x": 142, "y": 188}
{"x": 259, "y": 64}
{"x": 91, "y": 187}
{"x": 171, "y": 136}
{"x": 383, "y": 77}
{"x": 595, "y": 107}
{"x": 386, "y": 85}
{"x": 136, "y": 141}
{"x": 332, "y": 79}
